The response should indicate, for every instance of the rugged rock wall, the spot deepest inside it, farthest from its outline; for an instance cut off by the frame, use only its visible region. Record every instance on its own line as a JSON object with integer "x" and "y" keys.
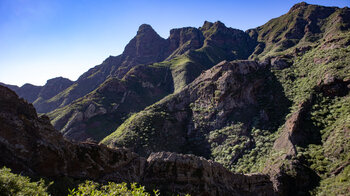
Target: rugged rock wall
{"x": 30, "y": 145}
{"x": 172, "y": 172}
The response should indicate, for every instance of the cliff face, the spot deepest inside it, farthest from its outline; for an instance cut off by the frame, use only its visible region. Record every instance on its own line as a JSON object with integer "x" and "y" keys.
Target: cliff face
{"x": 30, "y": 145}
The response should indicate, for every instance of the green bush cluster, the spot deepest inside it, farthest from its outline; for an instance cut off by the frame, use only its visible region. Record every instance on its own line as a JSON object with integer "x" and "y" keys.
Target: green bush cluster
{"x": 90, "y": 188}
{"x": 14, "y": 184}
{"x": 254, "y": 158}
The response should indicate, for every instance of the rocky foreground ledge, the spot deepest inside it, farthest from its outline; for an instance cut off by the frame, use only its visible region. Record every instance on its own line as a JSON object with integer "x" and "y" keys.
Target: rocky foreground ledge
{"x": 30, "y": 145}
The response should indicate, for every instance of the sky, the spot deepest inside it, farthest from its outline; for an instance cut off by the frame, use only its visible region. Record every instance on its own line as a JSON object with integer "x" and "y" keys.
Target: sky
{"x": 43, "y": 39}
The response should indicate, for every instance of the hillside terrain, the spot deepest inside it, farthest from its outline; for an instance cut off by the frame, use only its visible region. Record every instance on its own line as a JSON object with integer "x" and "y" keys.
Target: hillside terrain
{"x": 273, "y": 100}
{"x": 30, "y": 145}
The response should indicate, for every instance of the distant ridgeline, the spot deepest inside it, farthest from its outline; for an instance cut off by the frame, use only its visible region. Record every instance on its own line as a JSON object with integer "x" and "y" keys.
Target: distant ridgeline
{"x": 273, "y": 100}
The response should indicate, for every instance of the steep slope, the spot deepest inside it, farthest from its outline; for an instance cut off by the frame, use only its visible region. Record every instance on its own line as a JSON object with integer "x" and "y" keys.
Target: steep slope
{"x": 103, "y": 110}
{"x": 194, "y": 50}
{"x": 30, "y": 145}
{"x": 306, "y": 54}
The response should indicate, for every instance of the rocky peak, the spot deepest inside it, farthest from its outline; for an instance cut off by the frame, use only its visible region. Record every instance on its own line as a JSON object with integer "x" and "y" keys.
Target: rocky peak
{"x": 146, "y": 47}
{"x": 217, "y": 28}
{"x": 146, "y": 42}
{"x": 206, "y": 26}
{"x": 145, "y": 28}
{"x": 297, "y": 6}
{"x": 218, "y": 24}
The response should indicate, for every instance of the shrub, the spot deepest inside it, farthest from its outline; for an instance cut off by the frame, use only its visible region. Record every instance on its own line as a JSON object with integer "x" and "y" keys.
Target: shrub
{"x": 13, "y": 184}
{"x": 95, "y": 189}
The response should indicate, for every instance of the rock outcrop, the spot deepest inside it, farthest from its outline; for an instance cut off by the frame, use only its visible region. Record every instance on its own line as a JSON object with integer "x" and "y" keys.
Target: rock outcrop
{"x": 198, "y": 176}
{"x": 30, "y": 145}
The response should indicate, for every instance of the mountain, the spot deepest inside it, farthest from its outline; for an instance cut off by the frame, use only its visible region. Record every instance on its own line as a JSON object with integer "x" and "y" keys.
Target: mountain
{"x": 39, "y": 94}
{"x": 188, "y": 50}
{"x": 31, "y": 146}
{"x": 28, "y": 91}
{"x": 286, "y": 115}
{"x": 272, "y": 100}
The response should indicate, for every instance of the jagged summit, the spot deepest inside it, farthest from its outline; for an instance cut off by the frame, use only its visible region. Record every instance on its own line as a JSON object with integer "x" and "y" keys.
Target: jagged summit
{"x": 207, "y": 25}
{"x": 219, "y": 24}
{"x": 146, "y": 28}
{"x": 299, "y": 5}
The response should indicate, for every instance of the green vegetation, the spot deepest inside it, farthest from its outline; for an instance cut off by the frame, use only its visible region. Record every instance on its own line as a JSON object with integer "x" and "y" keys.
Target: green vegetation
{"x": 227, "y": 144}
{"x": 13, "y": 184}
{"x": 90, "y": 188}
{"x": 140, "y": 131}
{"x": 254, "y": 158}
{"x": 330, "y": 157}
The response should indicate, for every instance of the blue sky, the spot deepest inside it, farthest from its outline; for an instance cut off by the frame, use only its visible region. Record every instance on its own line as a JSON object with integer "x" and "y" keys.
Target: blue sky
{"x": 42, "y": 39}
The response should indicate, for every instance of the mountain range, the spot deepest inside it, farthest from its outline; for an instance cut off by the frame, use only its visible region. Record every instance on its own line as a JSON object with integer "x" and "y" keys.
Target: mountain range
{"x": 272, "y": 100}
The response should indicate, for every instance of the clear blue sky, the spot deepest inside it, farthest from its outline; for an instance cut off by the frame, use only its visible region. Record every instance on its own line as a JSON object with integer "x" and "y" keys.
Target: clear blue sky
{"x": 42, "y": 39}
